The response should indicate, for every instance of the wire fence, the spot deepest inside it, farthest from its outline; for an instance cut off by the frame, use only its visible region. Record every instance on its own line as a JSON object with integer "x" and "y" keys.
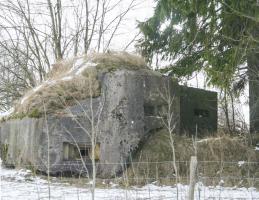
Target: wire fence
{"x": 139, "y": 180}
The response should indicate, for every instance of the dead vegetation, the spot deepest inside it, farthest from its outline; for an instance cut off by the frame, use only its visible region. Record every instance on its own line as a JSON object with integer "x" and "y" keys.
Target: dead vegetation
{"x": 57, "y": 97}
{"x": 220, "y": 157}
{"x": 73, "y": 80}
{"x": 119, "y": 60}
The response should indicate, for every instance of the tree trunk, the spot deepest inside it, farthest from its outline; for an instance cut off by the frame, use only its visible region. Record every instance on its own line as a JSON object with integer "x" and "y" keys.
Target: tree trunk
{"x": 226, "y": 110}
{"x": 233, "y": 111}
{"x": 253, "y": 76}
{"x": 253, "y": 69}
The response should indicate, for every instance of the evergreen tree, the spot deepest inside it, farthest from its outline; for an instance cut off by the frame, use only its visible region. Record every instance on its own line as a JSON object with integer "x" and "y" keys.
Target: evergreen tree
{"x": 214, "y": 35}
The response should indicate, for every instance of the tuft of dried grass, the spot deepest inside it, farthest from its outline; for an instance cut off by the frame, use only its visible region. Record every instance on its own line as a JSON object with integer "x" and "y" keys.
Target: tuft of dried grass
{"x": 119, "y": 60}
{"x": 60, "y": 69}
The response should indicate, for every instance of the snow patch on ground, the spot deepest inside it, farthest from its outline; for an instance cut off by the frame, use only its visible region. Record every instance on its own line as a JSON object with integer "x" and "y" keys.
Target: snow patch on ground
{"x": 22, "y": 185}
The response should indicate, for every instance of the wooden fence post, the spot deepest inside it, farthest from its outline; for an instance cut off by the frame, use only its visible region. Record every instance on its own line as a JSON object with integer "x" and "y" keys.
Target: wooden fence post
{"x": 193, "y": 168}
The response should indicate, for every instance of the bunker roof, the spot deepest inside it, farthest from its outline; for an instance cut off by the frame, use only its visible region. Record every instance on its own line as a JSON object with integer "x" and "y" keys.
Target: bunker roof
{"x": 73, "y": 80}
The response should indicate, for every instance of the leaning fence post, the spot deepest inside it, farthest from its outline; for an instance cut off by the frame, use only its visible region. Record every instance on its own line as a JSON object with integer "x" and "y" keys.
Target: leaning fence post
{"x": 193, "y": 168}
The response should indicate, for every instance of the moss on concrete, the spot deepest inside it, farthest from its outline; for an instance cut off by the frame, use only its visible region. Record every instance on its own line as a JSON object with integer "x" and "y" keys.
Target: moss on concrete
{"x": 35, "y": 113}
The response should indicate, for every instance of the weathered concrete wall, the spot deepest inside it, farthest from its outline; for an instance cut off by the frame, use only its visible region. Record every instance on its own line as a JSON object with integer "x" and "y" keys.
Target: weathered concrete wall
{"x": 157, "y": 91}
{"x": 123, "y": 124}
{"x": 132, "y": 104}
{"x": 20, "y": 141}
{"x": 62, "y": 130}
{"x": 29, "y": 141}
{"x": 198, "y": 107}
{"x": 121, "y": 128}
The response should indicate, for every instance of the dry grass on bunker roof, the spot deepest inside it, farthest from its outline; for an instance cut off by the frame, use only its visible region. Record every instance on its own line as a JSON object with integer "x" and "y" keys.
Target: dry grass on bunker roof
{"x": 104, "y": 62}
{"x": 64, "y": 87}
{"x": 119, "y": 60}
{"x": 56, "y": 97}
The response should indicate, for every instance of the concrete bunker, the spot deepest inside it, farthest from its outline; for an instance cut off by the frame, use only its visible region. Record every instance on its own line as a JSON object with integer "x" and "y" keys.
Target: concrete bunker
{"x": 132, "y": 107}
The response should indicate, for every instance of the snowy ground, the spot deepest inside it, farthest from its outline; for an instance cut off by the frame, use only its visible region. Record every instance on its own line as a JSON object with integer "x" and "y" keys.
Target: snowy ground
{"x": 21, "y": 185}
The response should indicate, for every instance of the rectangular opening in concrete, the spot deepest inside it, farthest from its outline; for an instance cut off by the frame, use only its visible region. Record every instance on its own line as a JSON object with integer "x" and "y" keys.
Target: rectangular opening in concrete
{"x": 155, "y": 110}
{"x": 201, "y": 112}
{"x": 75, "y": 151}
{"x": 149, "y": 110}
{"x": 84, "y": 152}
{"x": 79, "y": 151}
{"x": 69, "y": 151}
{"x": 161, "y": 110}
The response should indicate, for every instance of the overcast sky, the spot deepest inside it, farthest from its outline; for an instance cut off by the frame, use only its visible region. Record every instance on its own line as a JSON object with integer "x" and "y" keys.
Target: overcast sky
{"x": 129, "y": 28}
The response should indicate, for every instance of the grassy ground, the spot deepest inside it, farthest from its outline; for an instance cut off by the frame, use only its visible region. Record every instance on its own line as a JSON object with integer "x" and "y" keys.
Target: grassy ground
{"x": 226, "y": 158}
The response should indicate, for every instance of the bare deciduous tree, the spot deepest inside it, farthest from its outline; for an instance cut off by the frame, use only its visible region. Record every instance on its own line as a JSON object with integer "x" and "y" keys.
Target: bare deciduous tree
{"x": 169, "y": 118}
{"x": 92, "y": 117}
{"x": 35, "y": 34}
